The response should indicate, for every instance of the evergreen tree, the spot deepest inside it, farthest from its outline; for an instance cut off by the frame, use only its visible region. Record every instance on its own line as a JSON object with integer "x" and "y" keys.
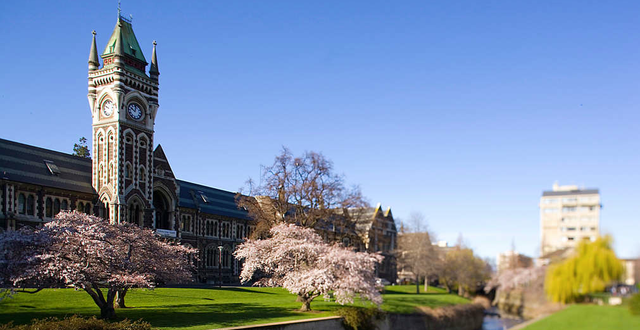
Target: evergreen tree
{"x": 81, "y": 149}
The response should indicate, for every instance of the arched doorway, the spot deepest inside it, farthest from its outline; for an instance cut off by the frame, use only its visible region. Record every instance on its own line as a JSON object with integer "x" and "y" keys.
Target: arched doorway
{"x": 163, "y": 211}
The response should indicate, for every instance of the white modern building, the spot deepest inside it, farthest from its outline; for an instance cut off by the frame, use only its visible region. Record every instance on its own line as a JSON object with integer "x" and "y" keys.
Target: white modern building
{"x": 568, "y": 215}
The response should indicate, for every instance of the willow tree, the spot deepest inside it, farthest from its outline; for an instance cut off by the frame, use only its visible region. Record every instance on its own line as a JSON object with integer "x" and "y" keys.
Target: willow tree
{"x": 591, "y": 269}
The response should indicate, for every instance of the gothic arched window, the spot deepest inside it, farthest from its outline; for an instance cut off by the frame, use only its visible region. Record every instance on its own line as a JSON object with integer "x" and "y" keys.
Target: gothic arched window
{"x": 56, "y": 207}
{"x": 31, "y": 205}
{"x": 48, "y": 209}
{"x": 22, "y": 204}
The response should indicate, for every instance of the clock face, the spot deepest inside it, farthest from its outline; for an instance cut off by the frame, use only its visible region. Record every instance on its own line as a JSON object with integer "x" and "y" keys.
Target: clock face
{"x": 134, "y": 111}
{"x": 107, "y": 108}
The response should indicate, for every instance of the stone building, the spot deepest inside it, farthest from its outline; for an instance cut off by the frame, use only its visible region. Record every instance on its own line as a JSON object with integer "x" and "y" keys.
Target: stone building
{"x": 129, "y": 178}
{"x": 567, "y": 216}
{"x": 377, "y": 230}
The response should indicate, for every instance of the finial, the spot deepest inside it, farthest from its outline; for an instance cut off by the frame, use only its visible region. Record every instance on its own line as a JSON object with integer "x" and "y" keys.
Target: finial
{"x": 119, "y": 10}
{"x": 130, "y": 18}
{"x": 153, "y": 69}
{"x": 94, "y": 63}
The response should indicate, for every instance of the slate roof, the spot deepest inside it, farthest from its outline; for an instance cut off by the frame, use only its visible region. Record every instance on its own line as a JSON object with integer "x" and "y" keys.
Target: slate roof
{"x": 129, "y": 41}
{"x": 571, "y": 192}
{"x": 24, "y": 163}
{"x": 216, "y": 201}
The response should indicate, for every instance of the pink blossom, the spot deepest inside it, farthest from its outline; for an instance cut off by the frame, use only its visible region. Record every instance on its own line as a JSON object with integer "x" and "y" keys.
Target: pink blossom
{"x": 297, "y": 259}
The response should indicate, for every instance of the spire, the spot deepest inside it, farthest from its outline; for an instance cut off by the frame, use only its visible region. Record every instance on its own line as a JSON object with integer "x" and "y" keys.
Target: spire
{"x": 153, "y": 69}
{"x": 119, "y": 48}
{"x": 94, "y": 63}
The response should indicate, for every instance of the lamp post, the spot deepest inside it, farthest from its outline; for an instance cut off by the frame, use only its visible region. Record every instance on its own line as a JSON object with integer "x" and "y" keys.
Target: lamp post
{"x": 220, "y": 266}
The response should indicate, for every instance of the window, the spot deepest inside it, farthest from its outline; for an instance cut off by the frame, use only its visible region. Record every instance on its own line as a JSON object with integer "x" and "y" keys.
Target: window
{"x": 186, "y": 225}
{"x": 64, "y": 205}
{"x": 211, "y": 228}
{"x": 128, "y": 172}
{"x": 87, "y": 208}
{"x": 56, "y": 206}
{"x": 211, "y": 256}
{"x": 80, "y": 207}
{"x": 135, "y": 213}
{"x": 22, "y": 204}
{"x": 48, "y": 209}
{"x": 142, "y": 176}
{"x": 571, "y": 228}
{"x": 552, "y": 210}
{"x": 53, "y": 168}
{"x": 240, "y": 231}
{"x": 31, "y": 205}
{"x": 549, "y": 201}
{"x": 203, "y": 197}
{"x": 345, "y": 241}
{"x": 569, "y": 209}
{"x": 571, "y": 238}
{"x": 226, "y": 257}
{"x": 569, "y": 200}
{"x": 226, "y": 230}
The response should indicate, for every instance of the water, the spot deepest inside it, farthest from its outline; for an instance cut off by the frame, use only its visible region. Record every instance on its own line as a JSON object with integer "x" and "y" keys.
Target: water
{"x": 496, "y": 323}
{"x": 493, "y": 321}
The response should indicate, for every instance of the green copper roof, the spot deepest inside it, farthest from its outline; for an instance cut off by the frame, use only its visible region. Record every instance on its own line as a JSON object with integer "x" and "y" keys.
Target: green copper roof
{"x": 129, "y": 42}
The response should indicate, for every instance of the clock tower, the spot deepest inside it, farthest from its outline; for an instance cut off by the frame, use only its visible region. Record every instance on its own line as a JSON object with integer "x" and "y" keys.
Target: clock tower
{"x": 123, "y": 99}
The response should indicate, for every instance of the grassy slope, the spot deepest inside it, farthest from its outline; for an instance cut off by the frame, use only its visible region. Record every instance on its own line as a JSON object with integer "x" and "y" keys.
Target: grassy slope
{"x": 201, "y": 308}
{"x": 588, "y": 317}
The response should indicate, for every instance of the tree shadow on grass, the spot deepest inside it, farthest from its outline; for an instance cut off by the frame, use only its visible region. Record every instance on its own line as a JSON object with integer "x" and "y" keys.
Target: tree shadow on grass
{"x": 247, "y": 290}
{"x": 220, "y": 315}
{"x": 189, "y": 315}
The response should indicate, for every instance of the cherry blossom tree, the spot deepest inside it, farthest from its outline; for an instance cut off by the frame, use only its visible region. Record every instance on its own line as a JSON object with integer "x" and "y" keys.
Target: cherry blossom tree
{"x": 90, "y": 254}
{"x": 297, "y": 259}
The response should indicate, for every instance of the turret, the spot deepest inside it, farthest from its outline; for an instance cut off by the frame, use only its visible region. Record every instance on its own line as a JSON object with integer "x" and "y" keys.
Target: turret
{"x": 153, "y": 69}
{"x": 94, "y": 62}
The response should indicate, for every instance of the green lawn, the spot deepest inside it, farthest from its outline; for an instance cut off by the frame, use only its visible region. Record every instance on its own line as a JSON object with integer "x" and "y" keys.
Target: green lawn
{"x": 587, "y": 317}
{"x": 202, "y": 308}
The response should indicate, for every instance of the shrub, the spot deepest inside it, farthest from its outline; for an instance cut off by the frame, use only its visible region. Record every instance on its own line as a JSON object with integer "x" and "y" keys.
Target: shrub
{"x": 634, "y": 304}
{"x": 78, "y": 323}
{"x": 359, "y": 318}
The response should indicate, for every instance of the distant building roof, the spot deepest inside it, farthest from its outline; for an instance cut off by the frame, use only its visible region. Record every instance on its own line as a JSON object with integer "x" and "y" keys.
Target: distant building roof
{"x": 209, "y": 200}
{"x": 570, "y": 192}
{"x": 24, "y": 163}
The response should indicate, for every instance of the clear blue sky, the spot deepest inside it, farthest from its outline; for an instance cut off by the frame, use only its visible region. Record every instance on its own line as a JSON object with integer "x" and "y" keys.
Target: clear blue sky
{"x": 462, "y": 110}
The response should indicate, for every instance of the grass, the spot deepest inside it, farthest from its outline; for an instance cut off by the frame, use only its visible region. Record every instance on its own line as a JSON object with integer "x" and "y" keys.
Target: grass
{"x": 193, "y": 309}
{"x": 402, "y": 298}
{"x": 588, "y": 317}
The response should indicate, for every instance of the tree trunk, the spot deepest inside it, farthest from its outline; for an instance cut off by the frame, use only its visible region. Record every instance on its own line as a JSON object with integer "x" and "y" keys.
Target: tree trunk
{"x": 426, "y": 284}
{"x": 306, "y": 306}
{"x": 460, "y": 290}
{"x": 417, "y": 284}
{"x": 120, "y": 298}
{"x": 306, "y": 301}
{"x": 106, "y": 305}
{"x": 107, "y": 312}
